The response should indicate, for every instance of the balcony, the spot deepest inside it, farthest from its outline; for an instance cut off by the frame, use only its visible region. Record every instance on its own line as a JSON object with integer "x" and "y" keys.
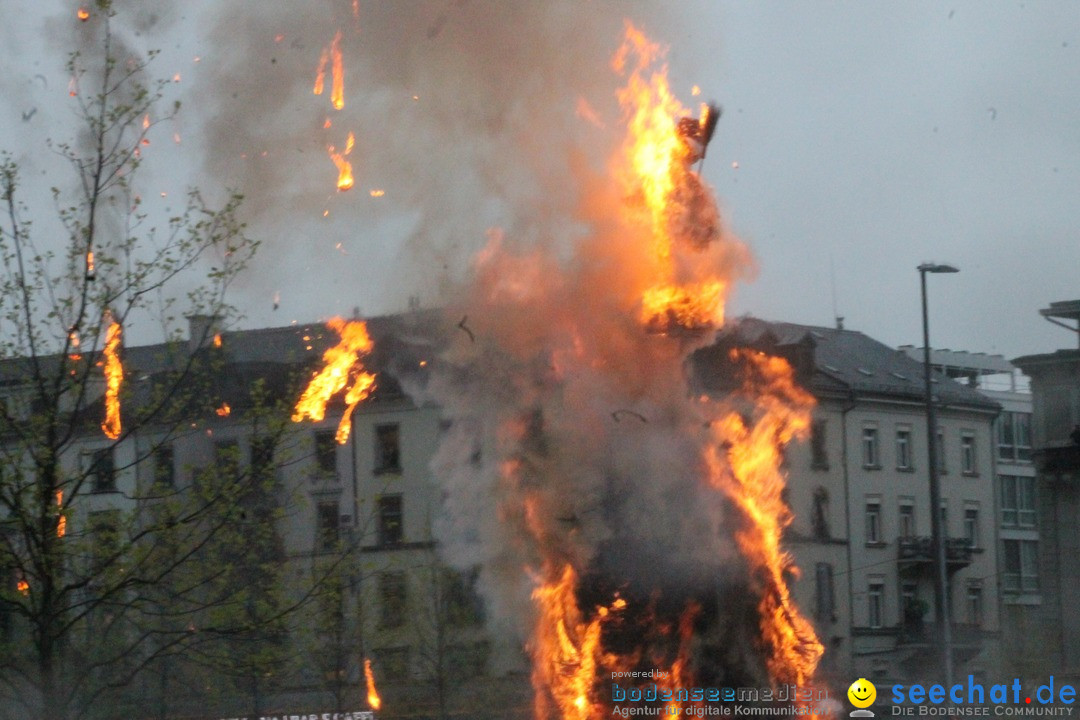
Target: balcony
{"x": 1060, "y": 460}
{"x": 918, "y": 552}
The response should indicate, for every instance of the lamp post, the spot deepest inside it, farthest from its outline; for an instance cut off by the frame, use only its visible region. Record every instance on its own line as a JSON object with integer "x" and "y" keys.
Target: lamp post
{"x": 937, "y": 531}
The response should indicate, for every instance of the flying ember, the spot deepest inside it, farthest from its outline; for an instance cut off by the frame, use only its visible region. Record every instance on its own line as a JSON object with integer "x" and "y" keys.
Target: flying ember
{"x": 343, "y": 371}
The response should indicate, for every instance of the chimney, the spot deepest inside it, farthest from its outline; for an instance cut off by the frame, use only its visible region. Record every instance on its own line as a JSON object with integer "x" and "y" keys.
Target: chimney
{"x": 201, "y": 330}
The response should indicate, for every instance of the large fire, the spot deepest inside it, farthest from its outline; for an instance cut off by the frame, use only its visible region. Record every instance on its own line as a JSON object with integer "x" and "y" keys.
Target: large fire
{"x": 114, "y": 376}
{"x": 750, "y": 475}
{"x": 620, "y": 494}
{"x": 343, "y": 369}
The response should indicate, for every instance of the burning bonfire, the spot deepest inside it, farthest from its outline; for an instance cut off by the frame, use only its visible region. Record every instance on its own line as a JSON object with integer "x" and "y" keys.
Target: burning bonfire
{"x": 622, "y": 521}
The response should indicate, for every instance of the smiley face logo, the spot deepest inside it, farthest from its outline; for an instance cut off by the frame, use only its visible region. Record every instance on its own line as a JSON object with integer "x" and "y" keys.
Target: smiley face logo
{"x": 862, "y": 693}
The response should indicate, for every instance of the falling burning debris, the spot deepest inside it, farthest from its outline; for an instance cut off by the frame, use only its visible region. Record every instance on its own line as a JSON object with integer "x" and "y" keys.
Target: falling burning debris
{"x": 23, "y": 587}
{"x": 83, "y": 14}
{"x": 345, "y": 174}
{"x": 114, "y": 376}
{"x": 614, "y": 533}
{"x": 217, "y": 340}
{"x": 61, "y": 522}
{"x": 337, "y": 91}
{"x": 332, "y": 56}
{"x": 224, "y": 410}
{"x": 90, "y": 271}
{"x": 343, "y": 369}
{"x": 373, "y": 699}
{"x": 320, "y": 73}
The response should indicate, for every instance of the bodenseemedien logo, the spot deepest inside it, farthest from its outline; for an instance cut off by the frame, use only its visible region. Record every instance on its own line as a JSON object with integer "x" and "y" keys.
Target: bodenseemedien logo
{"x": 862, "y": 694}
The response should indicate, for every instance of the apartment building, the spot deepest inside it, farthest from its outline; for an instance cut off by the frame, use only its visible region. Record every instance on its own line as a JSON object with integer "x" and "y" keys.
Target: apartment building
{"x": 1018, "y": 583}
{"x": 1055, "y": 388}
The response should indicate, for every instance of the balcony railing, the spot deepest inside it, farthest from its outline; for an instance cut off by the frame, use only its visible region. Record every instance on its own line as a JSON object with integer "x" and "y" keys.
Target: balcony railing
{"x": 919, "y": 550}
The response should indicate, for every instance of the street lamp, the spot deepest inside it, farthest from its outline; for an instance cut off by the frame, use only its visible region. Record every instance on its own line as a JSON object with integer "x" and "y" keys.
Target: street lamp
{"x": 941, "y": 601}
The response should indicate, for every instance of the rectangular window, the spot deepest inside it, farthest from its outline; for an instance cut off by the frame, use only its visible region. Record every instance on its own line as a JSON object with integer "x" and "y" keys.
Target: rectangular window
{"x": 1008, "y": 501}
{"x": 101, "y": 470}
{"x": 873, "y": 522}
{"x": 327, "y": 528}
{"x": 391, "y": 530}
{"x": 164, "y": 466}
{"x": 1021, "y": 565}
{"x": 326, "y": 452}
{"x": 463, "y": 604}
{"x": 823, "y": 591}
{"x": 1022, "y": 428}
{"x": 1025, "y": 502}
{"x": 387, "y": 448}
{"x": 907, "y": 520}
{"x": 262, "y": 458}
{"x": 104, "y": 528}
{"x": 975, "y": 605}
{"x": 393, "y": 599}
{"x": 1018, "y": 501}
{"x": 903, "y": 449}
{"x": 392, "y": 664}
{"x": 871, "y": 454}
{"x": 875, "y": 605}
{"x": 227, "y": 458}
{"x": 1014, "y": 436}
{"x": 967, "y": 454}
{"x": 909, "y": 594}
{"x": 1006, "y": 439}
{"x": 466, "y": 661}
{"x": 819, "y": 456}
{"x": 971, "y": 526}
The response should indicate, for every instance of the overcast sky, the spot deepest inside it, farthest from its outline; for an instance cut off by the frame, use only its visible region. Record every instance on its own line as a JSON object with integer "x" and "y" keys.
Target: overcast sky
{"x": 858, "y": 140}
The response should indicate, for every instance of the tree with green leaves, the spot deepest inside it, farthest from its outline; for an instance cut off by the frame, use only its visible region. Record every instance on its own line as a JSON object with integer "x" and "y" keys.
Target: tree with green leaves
{"x": 108, "y": 563}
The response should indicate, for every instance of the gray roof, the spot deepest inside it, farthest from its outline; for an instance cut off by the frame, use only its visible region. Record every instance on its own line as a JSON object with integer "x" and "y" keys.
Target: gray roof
{"x": 847, "y": 361}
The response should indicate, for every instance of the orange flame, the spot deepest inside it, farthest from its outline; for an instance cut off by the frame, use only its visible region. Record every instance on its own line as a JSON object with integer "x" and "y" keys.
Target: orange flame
{"x": 83, "y": 14}
{"x": 343, "y": 368}
{"x": 566, "y": 649}
{"x": 749, "y": 473}
{"x": 224, "y": 410}
{"x": 337, "y": 92}
{"x": 320, "y": 73}
{"x": 345, "y": 174}
{"x": 662, "y": 143}
{"x": 114, "y": 375}
{"x": 90, "y": 264}
{"x": 146, "y": 121}
{"x": 61, "y": 523}
{"x": 23, "y": 586}
{"x": 217, "y": 340}
{"x": 373, "y": 699}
